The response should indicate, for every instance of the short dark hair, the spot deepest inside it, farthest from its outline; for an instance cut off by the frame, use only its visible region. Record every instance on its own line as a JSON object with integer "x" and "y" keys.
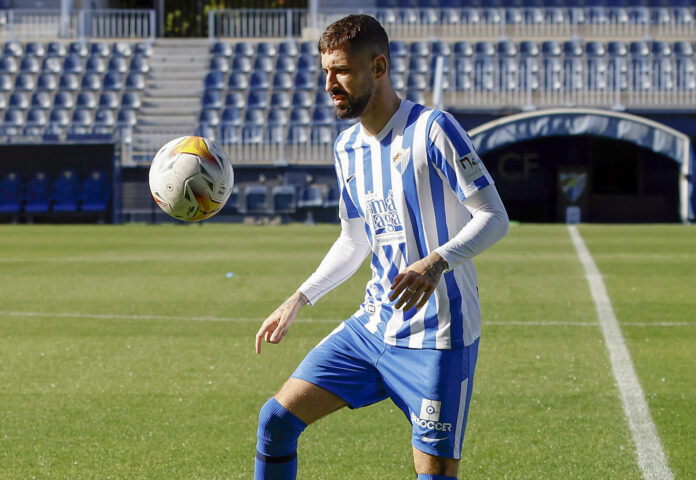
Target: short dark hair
{"x": 356, "y": 32}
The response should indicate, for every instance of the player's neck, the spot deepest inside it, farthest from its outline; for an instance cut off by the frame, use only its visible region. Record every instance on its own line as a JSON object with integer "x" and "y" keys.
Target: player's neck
{"x": 376, "y": 116}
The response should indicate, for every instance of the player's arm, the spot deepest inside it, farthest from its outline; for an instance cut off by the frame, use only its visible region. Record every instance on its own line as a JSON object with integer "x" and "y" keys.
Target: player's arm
{"x": 342, "y": 260}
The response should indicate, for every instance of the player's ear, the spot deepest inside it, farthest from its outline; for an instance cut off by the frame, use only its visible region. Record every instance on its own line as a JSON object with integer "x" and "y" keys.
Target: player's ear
{"x": 379, "y": 66}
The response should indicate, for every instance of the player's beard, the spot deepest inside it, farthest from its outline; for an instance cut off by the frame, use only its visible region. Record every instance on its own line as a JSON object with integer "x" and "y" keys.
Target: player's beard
{"x": 353, "y": 106}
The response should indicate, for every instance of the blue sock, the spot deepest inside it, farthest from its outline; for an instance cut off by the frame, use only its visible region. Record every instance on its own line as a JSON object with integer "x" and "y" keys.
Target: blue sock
{"x": 276, "y": 449}
{"x": 430, "y": 476}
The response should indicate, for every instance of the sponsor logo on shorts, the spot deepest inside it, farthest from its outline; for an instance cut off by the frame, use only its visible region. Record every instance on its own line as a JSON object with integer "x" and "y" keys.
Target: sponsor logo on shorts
{"x": 430, "y": 418}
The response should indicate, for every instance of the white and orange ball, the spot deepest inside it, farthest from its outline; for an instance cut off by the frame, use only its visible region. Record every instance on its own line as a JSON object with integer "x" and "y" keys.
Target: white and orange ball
{"x": 191, "y": 178}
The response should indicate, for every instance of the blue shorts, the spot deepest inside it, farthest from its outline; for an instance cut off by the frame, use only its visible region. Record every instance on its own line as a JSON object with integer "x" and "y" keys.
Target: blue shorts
{"x": 432, "y": 387}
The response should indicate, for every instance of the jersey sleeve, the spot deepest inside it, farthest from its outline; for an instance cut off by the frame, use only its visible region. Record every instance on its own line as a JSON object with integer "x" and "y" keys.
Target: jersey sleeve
{"x": 346, "y": 207}
{"x": 450, "y": 150}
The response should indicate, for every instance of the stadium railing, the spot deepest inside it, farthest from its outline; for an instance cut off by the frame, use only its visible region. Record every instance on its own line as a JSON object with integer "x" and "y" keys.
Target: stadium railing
{"x": 102, "y": 23}
{"x": 480, "y": 23}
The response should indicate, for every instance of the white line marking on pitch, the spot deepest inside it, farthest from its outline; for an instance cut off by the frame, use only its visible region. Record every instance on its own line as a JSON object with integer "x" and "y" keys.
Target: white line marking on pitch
{"x": 651, "y": 456}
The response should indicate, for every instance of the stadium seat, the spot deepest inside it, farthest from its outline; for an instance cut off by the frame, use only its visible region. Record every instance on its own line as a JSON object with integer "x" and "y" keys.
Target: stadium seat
{"x": 136, "y": 81}
{"x": 209, "y": 118}
{"x": 95, "y": 64}
{"x": 78, "y": 48}
{"x": 398, "y": 82}
{"x": 126, "y": 118}
{"x": 322, "y": 135}
{"x": 257, "y": 99}
{"x": 40, "y": 99}
{"x": 640, "y": 66}
{"x": 35, "y": 122}
{"x": 241, "y": 64}
{"x": 108, "y": 100}
{"x": 211, "y": 99}
{"x": 280, "y": 100}
{"x": 214, "y": 81}
{"x": 139, "y": 64}
{"x": 8, "y": 65}
{"x": 29, "y": 65}
{"x": 617, "y": 66}
{"x": 398, "y": 48}
{"x": 662, "y": 66}
{"x": 104, "y": 122}
{"x": 63, "y": 100}
{"x": 35, "y": 49}
{"x": 24, "y": 82}
{"x": 3, "y": 101}
{"x": 323, "y": 116}
{"x": 230, "y": 124}
{"x": 288, "y": 48}
{"x": 418, "y": 65}
{"x": 441, "y": 48}
{"x": 320, "y": 81}
{"x": 100, "y": 49}
{"x": 282, "y": 81}
{"x": 332, "y": 198}
{"x": 252, "y": 127}
{"x": 13, "y": 48}
{"x": 302, "y": 99}
{"x": 5, "y": 82}
{"x": 81, "y": 123}
{"x": 307, "y": 63}
{"x": 235, "y": 99}
{"x": 685, "y": 66}
{"x": 284, "y": 199}
{"x": 595, "y": 54}
{"x": 96, "y": 192}
{"x": 117, "y": 64}
{"x": 266, "y": 49}
{"x": 552, "y": 66}
{"x": 304, "y": 81}
{"x": 91, "y": 82}
{"x": 19, "y": 100}
{"x": 416, "y": 81}
{"x": 222, "y": 49}
{"x": 131, "y": 101}
{"x": 415, "y": 96}
{"x": 309, "y": 47}
{"x": 69, "y": 82}
{"x": 66, "y": 192}
{"x": 231, "y": 116}
{"x": 276, "y": 122}
{"x": 59, "y": 117}
{"x": 312, "y": 197}
{"x": 529, "y": 66}
{"x": 122, "y": 49}
{"x": 218, "y": 64}
{"x": 256, "y": 200}
{"x": 285, "y": 64}
{"x": 463, "y": 49}
{"x": 398, "y": 65}
{"x": 263, "y": 64}
{"x": 51, "y": 65}
{"x": 573, "y": 71}
{"x": 259, "y": 81}
{"x": 238, "y": 81}
{"x": 56, "y": 49}
{"x": 419, "y": 49}
{"x": 86, "y": 100}
{"x": 72, "y": 64}
{"x": 37, "y": 194}
{"x": 245, "y": 49}
{"x": 323, "y": 99}
{"x": 11, "y": 191}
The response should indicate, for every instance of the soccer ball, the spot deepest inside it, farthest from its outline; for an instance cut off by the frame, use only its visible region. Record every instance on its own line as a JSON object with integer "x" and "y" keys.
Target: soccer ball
{"x": 191, "y": 178}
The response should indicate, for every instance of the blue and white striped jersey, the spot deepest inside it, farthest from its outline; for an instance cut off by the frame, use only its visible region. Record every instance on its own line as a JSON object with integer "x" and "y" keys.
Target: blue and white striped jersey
{"x": 408, "y": 183}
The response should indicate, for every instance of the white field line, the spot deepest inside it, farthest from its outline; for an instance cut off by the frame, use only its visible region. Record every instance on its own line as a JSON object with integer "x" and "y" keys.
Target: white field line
{"x": 651, "y": 456}
{"x": 212, "y": 318}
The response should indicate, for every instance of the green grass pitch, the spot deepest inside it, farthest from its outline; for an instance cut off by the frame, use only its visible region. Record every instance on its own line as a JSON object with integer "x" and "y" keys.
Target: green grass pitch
{"x": 127, "y": 352}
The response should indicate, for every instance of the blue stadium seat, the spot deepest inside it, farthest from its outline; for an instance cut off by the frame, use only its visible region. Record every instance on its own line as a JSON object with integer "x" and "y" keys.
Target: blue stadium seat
{"x": 416, "y": 81}
{"x": 104, "y": 122}
{"x": 37, "y": 194}
{"x": 252, "y": 127}
{"x": 398, "y": 81}
{"x": 416, "y": 96}
{"x": 259, "y": 81}
{"x": 311, "y": 197}
{"x": 35, "y": 122}
{"x": 595, "y": 54}
{"x": 95, "y": 64}
{"x": 323, "y": 116}
{"x": 285, "y": 64}
{"x": 241, "y": 64}
{"x": 323, "y": 99}
{"x": 8, "y": 65}
{"x": 222, "y": 49}
{"x": 35, "y": 49}
{"x": 40, "y": 99}
{"x": 617, "y": 65}
{"x": 276, "y": 122}
{"x": 126, "y": 118}
{"x": 685, "y": 66}
{"x": 78, "y": 48}
{"x": 131, "y": 101}
{"x": 264, "y": 64}
{"x": 257, "y": 99}
{"x": 118, "y": 64}
{"x": 419, "y": 49}
{"x": 19, "y": 100}
{"x": 91, "y": 82}
{"x": 238, "y": 81}
{"x": 64, "y": 100}
{"x": 231, "y": 117}
{"x": 66, "y": 192}
{"x": 288, "y": 48}
{"x": 256, "y": 200}
{"x": 96, "y": 192}
{"x": 573, "y": 66}
{"x": 235, "y": 99}
{"x": 82, "y": 121}
{"x": 108, "y": 100}
{"x": 307, "y": 63}
{"x": 24, "y": 82}
{"x": 13, "y": 48}
{"x": 322, "y": 135}
{"x": 302, "y": 99}
{"x": 214, "y": 81}
{"x": 662, "y": 66}
{"x": 398, "y": 48}
{"x": 280, "y": 100}
{"x": 284, "y": 199}
{"x": 552, "y": 68}
{"x": 266, "y": 49}
{"x": 418, "y": 65}
{"x": 100, "y": 49}
{"x": 245, "y": 49}
{"x": 11, "y": 191}
{"x": 217, "y": 64}
{"x": 529, "y": 66}
{"x": 5, "y": 82}
{"x": 59, "y": 117}
{"x": 641, "y": 78}
{"x": 3, "y": 101}
{"x": 439, "y": 47}
{"x": 69, "y": 82}
{"x": 282, "y": 81}
{"x": 86, "y": 100}
{"x": 211, "y": 99}
{"x": 209, "y": 117}
{"x": 398, "y": 65}
{"x": 122, "y": 49}
{"x": 143, "y": 48}
{"x": 29, "y": 65}
{"x": 136, "y": 81}
{"x": 304, "y": 81}
{"x": 72, "y": 64}
{"x": 299, "y": 126}
{"x": 56, "y": 49}
{"x": 51, "y": 65}
{"x": 309, "y": 47}
{"x": 332, "y": 198}
{"x": 321, "y": 81}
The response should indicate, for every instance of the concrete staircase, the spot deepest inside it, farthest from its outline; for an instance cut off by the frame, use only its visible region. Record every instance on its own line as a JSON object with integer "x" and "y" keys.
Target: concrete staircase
{"x": 173, "y": 91}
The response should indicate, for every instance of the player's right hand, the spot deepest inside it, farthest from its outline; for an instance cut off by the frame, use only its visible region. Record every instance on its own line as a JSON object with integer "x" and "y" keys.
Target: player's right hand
{"x": 276, "y": 326}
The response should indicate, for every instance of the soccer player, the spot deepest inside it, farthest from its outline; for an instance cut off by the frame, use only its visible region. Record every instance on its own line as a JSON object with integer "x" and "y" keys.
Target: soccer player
{"x": 415, "y": 195}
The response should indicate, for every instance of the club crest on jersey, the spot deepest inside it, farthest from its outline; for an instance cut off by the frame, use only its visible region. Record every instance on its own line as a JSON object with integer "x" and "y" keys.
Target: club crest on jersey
{"x": 471, "y": 166}
{"x": 401, "y": 158}
{"x": 384, "y": 219}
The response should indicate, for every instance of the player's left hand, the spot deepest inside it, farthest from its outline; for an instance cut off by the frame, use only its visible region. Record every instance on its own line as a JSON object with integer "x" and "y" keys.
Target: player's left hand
{"x": 417, "y": 282}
